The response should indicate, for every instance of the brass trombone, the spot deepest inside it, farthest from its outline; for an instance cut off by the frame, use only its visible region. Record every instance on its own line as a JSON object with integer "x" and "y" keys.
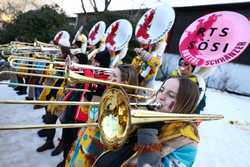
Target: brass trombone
{"x": 43, "y": 86}
{"x": 43, "y": 44}
{"x": 116, "y": 119}
{"x": 61, "y": 65}
{"x": 18, "y": 43}
{"x": 73, "y": 77}
{"x": 37, "y": 59}
{"x": 23, "y": 48}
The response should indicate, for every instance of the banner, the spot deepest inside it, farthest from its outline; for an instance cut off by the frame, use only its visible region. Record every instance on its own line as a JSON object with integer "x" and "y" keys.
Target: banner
{"x": 215, "y": 39}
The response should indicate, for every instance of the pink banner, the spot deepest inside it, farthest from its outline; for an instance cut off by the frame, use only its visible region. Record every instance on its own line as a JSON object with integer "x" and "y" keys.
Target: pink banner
{"x": 215, "y": 39}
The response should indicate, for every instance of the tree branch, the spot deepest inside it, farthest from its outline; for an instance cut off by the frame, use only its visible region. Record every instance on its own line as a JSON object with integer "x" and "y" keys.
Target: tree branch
{"x": 107, "y": 3}
{"x": 83, "y": 7}
{"x": 93, "y": 4}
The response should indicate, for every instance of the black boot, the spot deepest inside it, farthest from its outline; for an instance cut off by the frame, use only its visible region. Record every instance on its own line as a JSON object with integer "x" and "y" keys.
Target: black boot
{"x": 61, "y": 164}
{"x": 35, "y": 107}
{"x": 43, "y": 133}
{"x": 18, "y": 88}
{"x": 48, "y": 145}
{"x": 59, "y": 148}
{"x": 29, "y": 98}
{"x": 21, "y": 92}
{"x": 43, "y": 116}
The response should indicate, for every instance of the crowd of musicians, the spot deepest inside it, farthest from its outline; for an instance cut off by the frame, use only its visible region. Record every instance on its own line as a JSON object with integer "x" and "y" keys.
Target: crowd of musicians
{"x": 152, "y": 144}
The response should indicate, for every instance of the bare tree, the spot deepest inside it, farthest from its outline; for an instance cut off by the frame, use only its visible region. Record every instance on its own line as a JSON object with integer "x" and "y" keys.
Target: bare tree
{"x": 95, "y": 6}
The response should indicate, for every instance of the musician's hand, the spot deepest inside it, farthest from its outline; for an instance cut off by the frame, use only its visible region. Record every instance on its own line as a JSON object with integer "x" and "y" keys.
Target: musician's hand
{"x": 138, "y": 50}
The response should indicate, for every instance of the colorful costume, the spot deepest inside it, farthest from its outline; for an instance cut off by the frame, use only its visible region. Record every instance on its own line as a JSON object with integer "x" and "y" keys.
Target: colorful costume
{"x": 151, "y": 63}
{"x": 175, "y": 146}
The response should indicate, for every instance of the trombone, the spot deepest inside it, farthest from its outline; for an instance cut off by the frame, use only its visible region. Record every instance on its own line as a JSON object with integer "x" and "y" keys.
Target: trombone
{"x": 36, "y": 59}
{"x": 18, "y": 43}
{"x": 73, "y": 78}
{"x": 44, "y": 86}
{"x": 60, "y": 68}
{"x": 43, "y": 44}
{"x": 23, "y": 48}
{"x": 116, "y": 119}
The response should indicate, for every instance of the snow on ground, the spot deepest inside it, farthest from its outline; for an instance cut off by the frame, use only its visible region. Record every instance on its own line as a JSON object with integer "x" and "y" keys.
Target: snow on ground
{"x": 222, "y": 144}
{"x": 18, "y": 148}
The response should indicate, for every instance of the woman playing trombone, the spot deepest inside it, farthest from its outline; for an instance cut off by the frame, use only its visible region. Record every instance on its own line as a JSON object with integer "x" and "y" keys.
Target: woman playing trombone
{"x": 162, "y": 144}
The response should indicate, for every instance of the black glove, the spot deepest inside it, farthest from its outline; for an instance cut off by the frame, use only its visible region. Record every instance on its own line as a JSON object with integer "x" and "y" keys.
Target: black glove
{"x": 115, "y": 158}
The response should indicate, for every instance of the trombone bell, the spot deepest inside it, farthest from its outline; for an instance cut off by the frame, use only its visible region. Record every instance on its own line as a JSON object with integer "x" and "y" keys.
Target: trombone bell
{"x": 116, "y": 118}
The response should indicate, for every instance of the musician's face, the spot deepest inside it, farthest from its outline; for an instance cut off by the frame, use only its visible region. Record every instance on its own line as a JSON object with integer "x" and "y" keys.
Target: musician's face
{"x": 95, "y": 63}
{"x": 116, "y": 75}
{"x": 185, "y": 68}
{"x": 167, "y": 95}
{"x": 75, "y": 59}
{"x": 111, "y": 53}
{"x": 147, "y": 47}
{"x": 91, "y": 47}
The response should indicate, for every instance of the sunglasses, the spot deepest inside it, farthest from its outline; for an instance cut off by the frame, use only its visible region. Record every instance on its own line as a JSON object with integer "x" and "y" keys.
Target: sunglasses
{"x": 184, "y": 63}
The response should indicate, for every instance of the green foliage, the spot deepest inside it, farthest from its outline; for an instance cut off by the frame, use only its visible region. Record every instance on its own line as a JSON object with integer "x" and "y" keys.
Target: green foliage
{"x": 41, "y": 24}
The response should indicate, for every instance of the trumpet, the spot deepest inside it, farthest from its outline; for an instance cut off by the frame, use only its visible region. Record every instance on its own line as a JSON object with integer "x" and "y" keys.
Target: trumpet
{"x": 116, "y": 119}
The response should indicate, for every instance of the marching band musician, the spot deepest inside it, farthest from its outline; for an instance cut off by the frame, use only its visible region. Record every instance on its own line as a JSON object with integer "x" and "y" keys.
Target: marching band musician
{"x": 79, "y": 43}
{"x": 78, "y": 56}
{"x": 114, "y": 42}
{"x": 62, "y": 40}
{"x": 74, "y": 114}
{"x": 98, "y": 57}
{"x": 96, "y": 39}
{"x": 117, "y": 40}
{"x": 162, "y": 144}
{"x": 151, "y": 61}
{"x": 88, "y": 146}
{"x": 152, "y": 32}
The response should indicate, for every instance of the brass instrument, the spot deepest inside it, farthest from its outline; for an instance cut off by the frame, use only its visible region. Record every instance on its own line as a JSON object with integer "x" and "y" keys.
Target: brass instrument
{"x": 23, "y": 48}
{"x": 43, "y": 44}
{"x": 116, "y": 119}
{"x": 61, "y": 65}
{"x": 32, "y": 74}
{"x": 137, "y": 62}
{"x": 73, "y": 77}
{"x": 44, "y": 86}
{"x": 15, "y": 43}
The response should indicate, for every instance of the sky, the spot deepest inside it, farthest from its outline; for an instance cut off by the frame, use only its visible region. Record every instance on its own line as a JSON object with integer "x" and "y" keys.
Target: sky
{"x": 74, "y": 6}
